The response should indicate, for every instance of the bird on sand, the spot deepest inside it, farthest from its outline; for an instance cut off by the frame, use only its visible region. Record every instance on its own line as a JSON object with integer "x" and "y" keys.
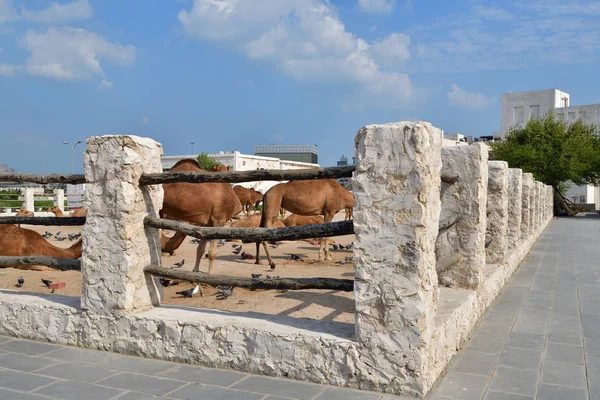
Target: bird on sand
{"x": 180, "y": 263}
{"x": 190, "y": 292}
{"x": 46, "y": 282}
{"x": 20, "y": 281}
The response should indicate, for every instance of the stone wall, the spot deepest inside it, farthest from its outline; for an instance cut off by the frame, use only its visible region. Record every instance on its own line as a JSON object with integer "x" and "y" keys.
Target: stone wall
{"x": 408, "y": 325}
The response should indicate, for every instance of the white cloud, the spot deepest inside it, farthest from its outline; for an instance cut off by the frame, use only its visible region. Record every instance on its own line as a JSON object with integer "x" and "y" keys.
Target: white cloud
{"x": 462, "y": 98}
{"x": 392, "y": 48}
{"x": 7, "y": 11}
{"x": 305, "y": 38}
{"x": 59, "y": 13}
{"x": 72, "y": 54}
{"x": 377, "y": 6}
{"x": 104, "y": 84}
{"x": 8, "y": 70}
{"x": 145, "y": 120}
{"x": 493, "y": 13}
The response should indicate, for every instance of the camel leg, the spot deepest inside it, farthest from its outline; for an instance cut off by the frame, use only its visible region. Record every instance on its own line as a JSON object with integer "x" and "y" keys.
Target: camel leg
{"x": 268, "y": 253}
{"x": 212, "y": 254}
{"x": 257, "y": 253}
{"x": 328, "y": 217}
{"x": 199, "y": 254}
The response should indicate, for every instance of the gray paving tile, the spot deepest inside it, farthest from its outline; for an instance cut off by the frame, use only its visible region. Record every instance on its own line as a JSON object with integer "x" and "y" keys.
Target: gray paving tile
{"x": 28, "y": 347}
{"x": 23, "y": 362}
{"x": 4, "y": 339}
{"x": 555, "y": 392}
{"x": 558, "y": 373}
{"x": 491, "y": 395}
{"x": 591, "y": 348}
{"x": 526, "y": 340}
{"x": 521, "y": 358}
{"x": 497, "y": 329}
{"x": 209, "y": 376}
{"x": 565, "y": 353}
{"x": 76, "y": 372}
{"x": 516, "y": 381}
{"x": 138, "y": 365}
{"x": 564, "y": 322}
{"x": 85, "y": 356}
{"x": 142, "y": 383}
{"x": 462, "y": 386}
{"x": 473, "y": 362}
{"x": 6, "y": 394}
{"x": 68, "y": 390}
{"x": 527, "y": 325}
{"x": 485, "y": 344}
{"x": 565, "y": 336}
{"x": 208, "y": 392}
{"x": 332, "y": 393}
{"x": 534, "y": 315}
{"x": 507, "y": 318}
{"x": 24, "y": 381}
{"x": 279, "y": 387}
{"x": 592, "y": 365}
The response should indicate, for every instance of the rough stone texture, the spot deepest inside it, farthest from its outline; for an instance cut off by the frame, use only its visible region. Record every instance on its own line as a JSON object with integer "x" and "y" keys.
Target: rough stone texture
{"x": 537, "y": 219}
{"x": 397, "y": 191}
{"x": 465, "y": 198}
{"x": 59, "y": 195}
{"x": 515, "y": 202}
{"x": 497, "y": 212}
{"x": 115, "y": 253}
{"x": 526, "y": 205}
{"x": 550, "y": 200}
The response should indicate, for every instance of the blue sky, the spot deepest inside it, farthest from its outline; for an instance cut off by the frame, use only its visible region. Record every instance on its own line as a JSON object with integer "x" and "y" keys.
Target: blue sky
{"x": 229, "y": 74}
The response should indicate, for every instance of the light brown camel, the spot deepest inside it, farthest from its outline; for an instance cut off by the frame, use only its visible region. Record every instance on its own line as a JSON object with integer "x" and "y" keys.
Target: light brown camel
{"x": 78, "y": 212}
{"x": 15, "y": 241}
{"x": 204, "y": 204}
{"x": 254, "y": 222}
{"x": 307, "y": 197}
{"x": 21, "y": 212}
{"x": 170, "y": 244}
{"x": 299, "y": 220}
{"x": 219, "y": 168}
{"x": 349, "y": 198}
{"x": 248, "y": 197}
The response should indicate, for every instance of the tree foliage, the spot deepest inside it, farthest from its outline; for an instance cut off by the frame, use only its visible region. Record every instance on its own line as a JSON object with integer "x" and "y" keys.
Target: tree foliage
{"x": 553, "y": 151}
{"x": 207, "y": 162}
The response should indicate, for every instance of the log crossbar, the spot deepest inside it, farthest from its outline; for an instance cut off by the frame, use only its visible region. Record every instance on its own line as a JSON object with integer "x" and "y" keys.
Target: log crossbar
{"x": 346, "y": 285}
{"x": 48, "y": 221}
{"x": 255, "y": 234}
{"x": 64, "y": 264}
{"x": 43, "y": 179}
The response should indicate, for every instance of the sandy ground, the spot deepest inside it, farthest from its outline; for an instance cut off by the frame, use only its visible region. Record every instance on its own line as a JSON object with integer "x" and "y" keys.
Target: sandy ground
{"x": 314, "y": 304}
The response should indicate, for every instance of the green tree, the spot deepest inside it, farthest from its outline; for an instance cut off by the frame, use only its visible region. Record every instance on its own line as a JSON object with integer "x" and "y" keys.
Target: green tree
{"x": 206, "y": 162}
{"x": 555, "y": 152}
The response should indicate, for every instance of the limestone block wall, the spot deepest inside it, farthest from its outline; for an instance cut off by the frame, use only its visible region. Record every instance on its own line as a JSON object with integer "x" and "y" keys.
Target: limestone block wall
{"x": 526, "y": 211}
{"x": 515, "y": 204}
{"x": 466, "y": 199}
{"x": 497, "y": 212}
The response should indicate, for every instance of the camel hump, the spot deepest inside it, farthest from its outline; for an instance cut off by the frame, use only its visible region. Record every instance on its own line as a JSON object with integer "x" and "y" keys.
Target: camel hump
{"x": 187, "y": 164}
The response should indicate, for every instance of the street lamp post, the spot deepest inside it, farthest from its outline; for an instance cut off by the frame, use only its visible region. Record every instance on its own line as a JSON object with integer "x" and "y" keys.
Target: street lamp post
{"x": 73, "y": 155}
{"x": 192, "y": 143}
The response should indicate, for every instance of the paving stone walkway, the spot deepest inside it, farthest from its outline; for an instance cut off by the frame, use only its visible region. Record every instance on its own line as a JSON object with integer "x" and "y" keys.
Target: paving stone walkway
{"x": 541, "y": 339}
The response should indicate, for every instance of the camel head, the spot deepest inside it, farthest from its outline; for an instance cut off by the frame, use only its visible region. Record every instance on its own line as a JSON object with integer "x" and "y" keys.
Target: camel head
{"x": 220, "y": 168}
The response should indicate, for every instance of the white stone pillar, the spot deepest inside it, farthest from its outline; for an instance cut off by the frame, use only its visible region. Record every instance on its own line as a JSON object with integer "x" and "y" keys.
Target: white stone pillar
{"x": 466, "y": 198}
{"x": 526, "y": 211}
{"x": 497, "y": 212}
{"x": 116, "y": 246}
{"x": 59, "y": 199}
{"x": 550, "y": 202}
{"x": 515, "y": 202}
{"x": 537, "y": 220}
{"x": 28, "y": 199}
{"x": 396, "y": 220}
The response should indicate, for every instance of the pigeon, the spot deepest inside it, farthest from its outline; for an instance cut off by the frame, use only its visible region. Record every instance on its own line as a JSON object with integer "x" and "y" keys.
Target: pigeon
{"x": 180, "y": 263}
{"x": 221, "y": 242}
{"x": 60, "y": 239}
{"x": 268, "y": 276}
{"x": 351, "y": 245}
{"x": 190, "y": 292}
{"x": 256, "y": 276}
{"x": 20, "y": 281}
{"x": 168, "y": 282}
{"x": 246, "y": 256}
{"x": 294, "y": 257}
{"x": 274, "y": 245}
{"x": 335, "y": 246}
{"x": 238, "y": 250}
{"x": 342, "y": 262}
{"x": 46, "y": 282}
{"x": 234, "y": 245}
{"x": 57, "y": 233}
{"x": 226, "y": 291}
{"x": 195, "y": 240}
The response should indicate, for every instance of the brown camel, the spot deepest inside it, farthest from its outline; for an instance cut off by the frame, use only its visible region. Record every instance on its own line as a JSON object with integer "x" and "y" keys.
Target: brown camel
{"x": 204, "y": 204}
{"x": 78, "y": 212}
{"x": 170, "y": 244}
{"x": 248, "y": 197}
{"x": 299, "y": 220}
{"x": 307, "y": 197}
{"x": 219, "y": 168}
{"x": 15, "y": 241}
{"x": 348, "y": 210}
{"x": 21, "y": 212}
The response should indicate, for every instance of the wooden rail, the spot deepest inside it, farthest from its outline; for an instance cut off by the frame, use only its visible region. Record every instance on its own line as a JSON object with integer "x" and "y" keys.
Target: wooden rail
{"x": 247, "y": 176}
{"x": 346, "y": 285}
{"x": 48, "y": 221}
{"x": 255, "y": 234}
{"x": 53, "y": 178}
{"x": 64, "y": 264}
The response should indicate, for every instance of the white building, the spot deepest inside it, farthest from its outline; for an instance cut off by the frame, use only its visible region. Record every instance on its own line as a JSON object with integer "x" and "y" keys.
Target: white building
{"x": 520, "y": 107}
{"x": 454, "y": 139}
{"x": 245, "y": 162}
